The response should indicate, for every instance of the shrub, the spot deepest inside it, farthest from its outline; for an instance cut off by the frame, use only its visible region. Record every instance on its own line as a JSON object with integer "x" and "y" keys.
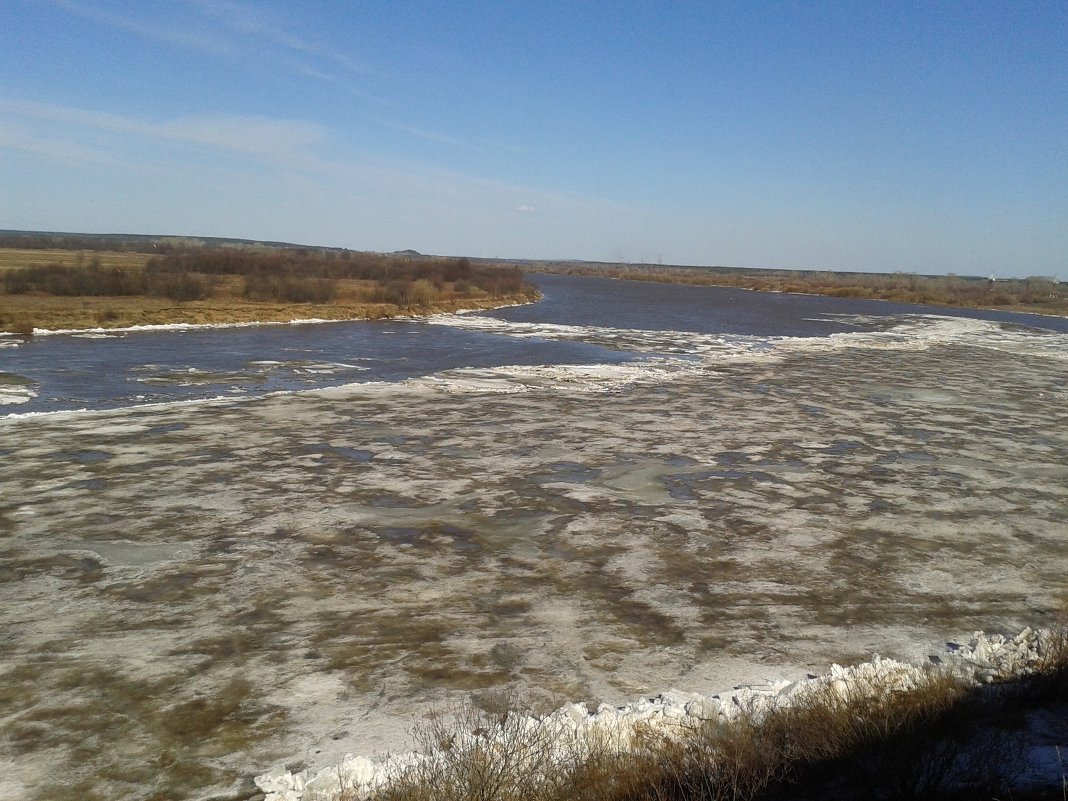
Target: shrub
{"x": 395, "y": 292}
{"x": 422, "y": 293}
{"x": 480, "y": 756}
{"x": 290, "y": 275}
{"x": 56, "y": 279}
{"x": 288, "y": 289}
{"x": 388, "y": 271}
{"x": 178, "y": 286}
{"x": 23, "y": 327}
{"x": 930, "y": 736}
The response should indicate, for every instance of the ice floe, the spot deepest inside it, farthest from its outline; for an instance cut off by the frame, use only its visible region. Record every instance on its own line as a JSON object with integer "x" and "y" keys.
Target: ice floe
{"x": 11, "y": 395}
{"x": 591, "y": 378}
{"x": 133, "y": 329}
{"x": 899, "y": 332}
{"x": 599, "y": 546}
{"x": 980, "y": 659}
{"x": 16, "y": 389}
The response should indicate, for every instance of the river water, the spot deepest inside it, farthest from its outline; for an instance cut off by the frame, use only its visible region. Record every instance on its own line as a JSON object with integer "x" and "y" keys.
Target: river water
{"x": 105, "y": 370}
{"x": 621, "y": 489}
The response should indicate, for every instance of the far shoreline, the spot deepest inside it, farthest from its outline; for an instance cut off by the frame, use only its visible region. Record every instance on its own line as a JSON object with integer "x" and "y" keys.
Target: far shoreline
{"x": 933, "y": 291}
{"x": 226, "y": 318}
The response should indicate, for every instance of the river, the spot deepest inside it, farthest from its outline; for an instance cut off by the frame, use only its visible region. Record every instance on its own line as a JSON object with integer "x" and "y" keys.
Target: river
{"x": 279, "y": 544}
{"x": 104, "y": 370}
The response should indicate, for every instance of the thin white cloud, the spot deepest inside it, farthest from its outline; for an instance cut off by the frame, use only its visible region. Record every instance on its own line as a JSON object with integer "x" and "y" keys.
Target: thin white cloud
{"x": 428, "y": 135}
{"x": 18, "y": 139}
{"x": 257, "y": 136}
{"x": 181, "y": 37}
{"x": 255, "y": 20}
{"x": 508, "y": 147}
{"x": 445, "y": 139}
{"x": 227, "y": 28}
{"x": 278, "y": 153}
{"x": 254, "y": 135}
{"x": 312, "y": 72}
{"x": 523, "y": 209}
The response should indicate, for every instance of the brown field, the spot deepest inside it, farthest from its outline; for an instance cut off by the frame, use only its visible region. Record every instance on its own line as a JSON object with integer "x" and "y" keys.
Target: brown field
{"x": 58, "y": 313}
{"x": 226, "y": 297}
{"x": 13, "y": 258}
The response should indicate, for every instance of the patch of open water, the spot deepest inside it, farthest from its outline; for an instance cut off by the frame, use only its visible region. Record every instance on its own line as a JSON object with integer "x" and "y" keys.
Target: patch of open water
{"x": 67, "y": 372}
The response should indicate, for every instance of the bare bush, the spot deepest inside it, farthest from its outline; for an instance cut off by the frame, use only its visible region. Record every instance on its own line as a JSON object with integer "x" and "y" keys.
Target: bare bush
{"x": 288, "y": 289}
{"x": 422, "y": 293}
{"x": 73, "y": 281}
{"x": 279, "y": 275}
{"x": 178, "y": 286}
{"x": 909, "y": 736}
{"x": 479, "y": 755}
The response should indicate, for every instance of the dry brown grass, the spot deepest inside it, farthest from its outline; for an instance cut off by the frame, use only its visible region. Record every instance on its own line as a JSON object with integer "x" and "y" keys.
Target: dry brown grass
{"x": 1051, "y": 677}
{"x": 941, "y": 738}
{"x": 228, "y": 299}
{"x": 21, "y": 313}
{"x": 16, "y": 258}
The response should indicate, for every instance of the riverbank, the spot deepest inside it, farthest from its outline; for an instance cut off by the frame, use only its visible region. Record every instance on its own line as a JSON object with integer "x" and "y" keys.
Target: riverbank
{"x": 40, "y": 314}
{"x": 1035, "y": 295}
{"x": 975, "y": 718}
{"x": 64, "y": 290}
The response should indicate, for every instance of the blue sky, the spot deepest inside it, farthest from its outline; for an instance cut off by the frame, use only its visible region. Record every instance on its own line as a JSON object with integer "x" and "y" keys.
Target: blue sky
{"x": 915, "y": 137}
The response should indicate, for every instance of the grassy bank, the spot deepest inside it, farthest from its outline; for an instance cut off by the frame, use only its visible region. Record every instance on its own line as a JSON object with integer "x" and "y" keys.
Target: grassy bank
{"x": 1037, "y": 294}
{"x": 64, "y": 289}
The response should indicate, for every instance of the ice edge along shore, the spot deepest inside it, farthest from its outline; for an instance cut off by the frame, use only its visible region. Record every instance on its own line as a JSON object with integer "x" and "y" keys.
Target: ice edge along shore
{"x": 982, "y": 659}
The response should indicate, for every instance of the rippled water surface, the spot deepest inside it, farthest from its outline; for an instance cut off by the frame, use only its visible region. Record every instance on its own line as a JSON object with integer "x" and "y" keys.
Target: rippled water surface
{"x": 603, "y": 302}
{"x": 107, "y": 371}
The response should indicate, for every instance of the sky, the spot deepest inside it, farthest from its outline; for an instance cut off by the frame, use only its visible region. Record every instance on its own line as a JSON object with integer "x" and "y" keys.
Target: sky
{"x": 927, "y": 137}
